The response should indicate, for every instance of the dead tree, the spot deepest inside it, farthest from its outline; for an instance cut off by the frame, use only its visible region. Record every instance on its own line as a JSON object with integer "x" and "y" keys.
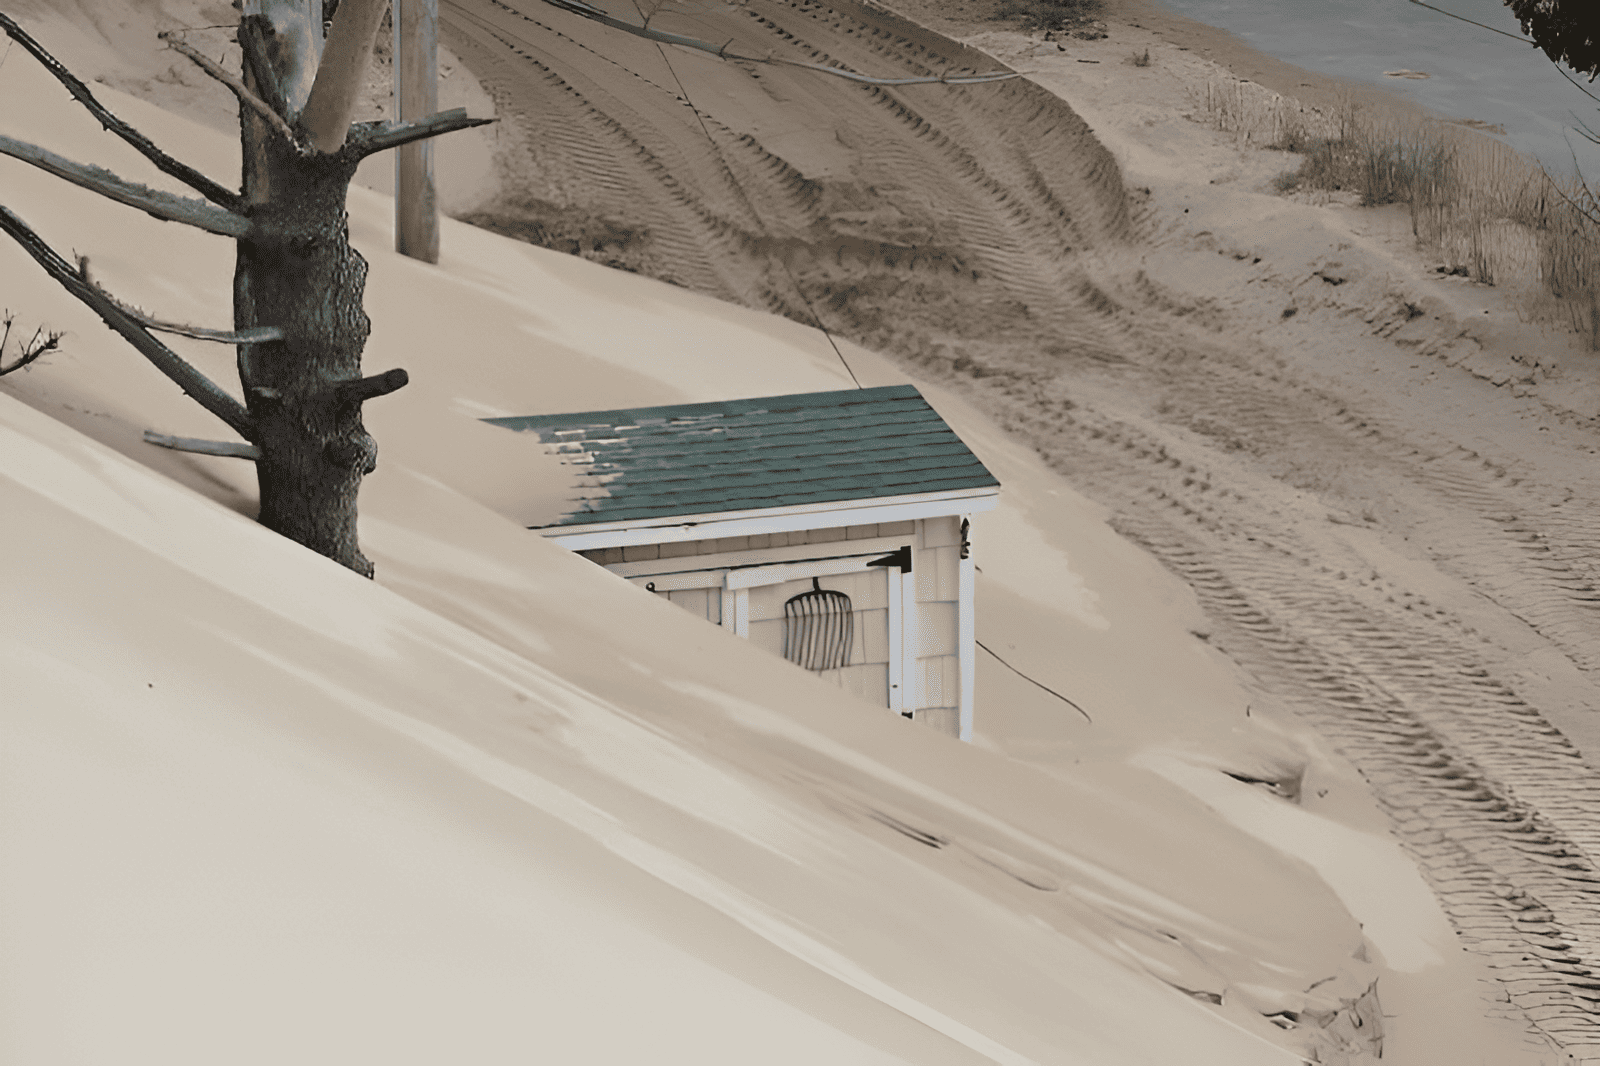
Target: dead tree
{"x": 298, "y": 284}
{"x": 298, "y": 321}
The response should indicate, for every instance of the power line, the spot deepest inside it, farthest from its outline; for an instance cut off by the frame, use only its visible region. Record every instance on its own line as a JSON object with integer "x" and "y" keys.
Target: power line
{"x": 1031, "y": 681}
{"x": 1515, "y": 37}
{"x": 734, "y": 179}
{"x": 1481, "y": 25}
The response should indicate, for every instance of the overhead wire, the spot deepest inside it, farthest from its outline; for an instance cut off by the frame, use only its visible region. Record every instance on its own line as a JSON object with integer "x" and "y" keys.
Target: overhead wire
{"x": 749, "y": 204}
{"x": 1031, "y": 681}
{"x": 1481, "y": 25}
{"x": 1519, "y": 38}
{"x": 684, "y": 92}
{"x": 595, "y": 14}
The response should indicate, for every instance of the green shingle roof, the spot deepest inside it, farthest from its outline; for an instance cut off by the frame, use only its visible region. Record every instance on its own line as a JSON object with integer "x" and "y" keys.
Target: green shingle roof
{"x": 744, "y": 455}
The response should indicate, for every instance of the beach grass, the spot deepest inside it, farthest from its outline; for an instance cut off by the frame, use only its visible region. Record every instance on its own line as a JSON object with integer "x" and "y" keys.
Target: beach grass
{"x": 1488, "y": 212}
{"x": 1049, "y": 14}
{"x": 1263, "y": 118}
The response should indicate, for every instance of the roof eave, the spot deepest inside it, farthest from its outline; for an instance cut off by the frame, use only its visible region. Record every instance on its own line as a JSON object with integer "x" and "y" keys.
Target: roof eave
{"x": 677, "y": 528}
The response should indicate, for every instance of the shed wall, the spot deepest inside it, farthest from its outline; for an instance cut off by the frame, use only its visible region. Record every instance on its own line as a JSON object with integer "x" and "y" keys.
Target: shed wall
{"x": 935, "y": 565}
{"x": 932, "y": 618}
{"x": 868, "y": 673}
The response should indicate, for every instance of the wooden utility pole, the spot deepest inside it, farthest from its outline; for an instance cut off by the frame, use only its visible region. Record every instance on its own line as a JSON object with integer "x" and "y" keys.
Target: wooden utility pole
{"x": 416, "y": 92}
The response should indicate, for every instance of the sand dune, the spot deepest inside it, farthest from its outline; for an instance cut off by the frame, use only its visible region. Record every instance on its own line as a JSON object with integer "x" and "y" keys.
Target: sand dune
{"x": 500, "y": 804}
{"x": 902, "y": 217}
{"x": 1347, "y": 454}
{"x": 1097, "y": 279}
{"x": 1378, "y": 478}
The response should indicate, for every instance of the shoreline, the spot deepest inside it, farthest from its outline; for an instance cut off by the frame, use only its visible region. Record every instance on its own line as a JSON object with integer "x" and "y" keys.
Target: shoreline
{"x": 1246, "y": 61}
{"x": 1205, "y": 41}
{"x": 1491, "y": 331}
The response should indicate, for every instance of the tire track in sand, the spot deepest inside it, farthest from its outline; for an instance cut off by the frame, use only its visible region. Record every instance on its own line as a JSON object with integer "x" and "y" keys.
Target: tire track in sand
{"x": 986, "y": 239}
{"x": 942, "y": 186}
{"x": 1498, "y": 808}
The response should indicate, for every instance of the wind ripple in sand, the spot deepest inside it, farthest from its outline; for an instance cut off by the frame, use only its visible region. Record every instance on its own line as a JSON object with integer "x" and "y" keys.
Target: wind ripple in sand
{"x": 984, "y": 236}
{"x": 961, "y": 208}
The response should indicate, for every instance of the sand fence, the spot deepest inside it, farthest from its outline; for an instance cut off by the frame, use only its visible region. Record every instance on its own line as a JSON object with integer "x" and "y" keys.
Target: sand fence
{"x": 1486, "y": 211}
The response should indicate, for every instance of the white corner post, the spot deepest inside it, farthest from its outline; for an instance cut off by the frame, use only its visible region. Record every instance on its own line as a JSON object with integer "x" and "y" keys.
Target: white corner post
{"x": 741, "y": 613}
{"x": 897, "y": 645}
{"x": 910, "y": 640}
{"x": 967, "y": 628}
{"x": 416, "y": 94}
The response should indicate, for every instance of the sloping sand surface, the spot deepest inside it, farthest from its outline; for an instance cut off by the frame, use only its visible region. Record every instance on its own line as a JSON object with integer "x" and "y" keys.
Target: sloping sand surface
{"x": 926, "y": 211}
{"x": 503, "y": 754}
{"x": 490, "y": 814}
{"x": 260, "y": 808}
{"x": 1379, "y": 478}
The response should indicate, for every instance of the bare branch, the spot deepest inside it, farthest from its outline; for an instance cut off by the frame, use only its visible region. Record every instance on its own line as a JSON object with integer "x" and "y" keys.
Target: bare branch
{"x": 1588, "y": 210}
{"x": 230, "y": 449}
{"x": 253, "y": 43}
{"x": 254, "y": 335}
{"x": 345, "y": 56}
{"x": 246, "y": 97}
{"x": 40, "y": 343}
{"x": 361, "y": 390}
{"x": 605, "y": 18}
{"x": 191, "y": 177}
{"x": 1574, "y": 81}
{"x": 378, "y": 137}
{"x": 162, "y": 205}
{"x": 204, "y": 391}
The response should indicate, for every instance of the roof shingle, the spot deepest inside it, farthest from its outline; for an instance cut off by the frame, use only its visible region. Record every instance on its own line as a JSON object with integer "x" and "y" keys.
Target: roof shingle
{"x": 743, "y": 455}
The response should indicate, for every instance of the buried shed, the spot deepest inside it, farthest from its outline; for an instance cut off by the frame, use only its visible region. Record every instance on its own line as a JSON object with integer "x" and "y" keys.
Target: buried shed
{"x": 829, "y": 527}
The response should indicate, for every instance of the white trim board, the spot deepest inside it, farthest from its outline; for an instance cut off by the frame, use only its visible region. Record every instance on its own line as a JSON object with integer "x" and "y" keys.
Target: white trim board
{"x": 910, "y": 629}
{"x": 897, "y": 647}
{"x": 771, "y": 520}
{"x": 778, "y": 573}
{"x": 833, "y": 549}
{"x": 967, "y": 635}
{"x": 774, "y": 573}
{"x": 694, "y": 579}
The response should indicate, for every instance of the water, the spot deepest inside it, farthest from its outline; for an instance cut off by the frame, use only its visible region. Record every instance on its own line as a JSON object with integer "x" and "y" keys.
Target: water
{"x": 1475, "y": 74}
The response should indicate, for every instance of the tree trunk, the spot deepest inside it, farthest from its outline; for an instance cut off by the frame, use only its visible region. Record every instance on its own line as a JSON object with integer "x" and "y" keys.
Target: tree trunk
{"x": 297, "y": 271}
{"x": 298, "y": 285}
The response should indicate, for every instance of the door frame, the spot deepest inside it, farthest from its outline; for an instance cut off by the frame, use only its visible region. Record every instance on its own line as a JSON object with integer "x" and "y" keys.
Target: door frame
{"x": 736, "y": 583}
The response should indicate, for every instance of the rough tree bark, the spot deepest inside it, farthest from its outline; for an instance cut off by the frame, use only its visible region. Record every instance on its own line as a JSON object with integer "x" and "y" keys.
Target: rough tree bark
{"x": 296, "y": 271}
{"x": 298, "y": 284}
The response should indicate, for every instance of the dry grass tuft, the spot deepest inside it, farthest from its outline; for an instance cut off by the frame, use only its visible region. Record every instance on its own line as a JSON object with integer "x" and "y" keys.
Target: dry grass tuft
{"x": 1049, "y": 14}
{"x": 1258, "y": 116}
{"x": 1487, "y": 211}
